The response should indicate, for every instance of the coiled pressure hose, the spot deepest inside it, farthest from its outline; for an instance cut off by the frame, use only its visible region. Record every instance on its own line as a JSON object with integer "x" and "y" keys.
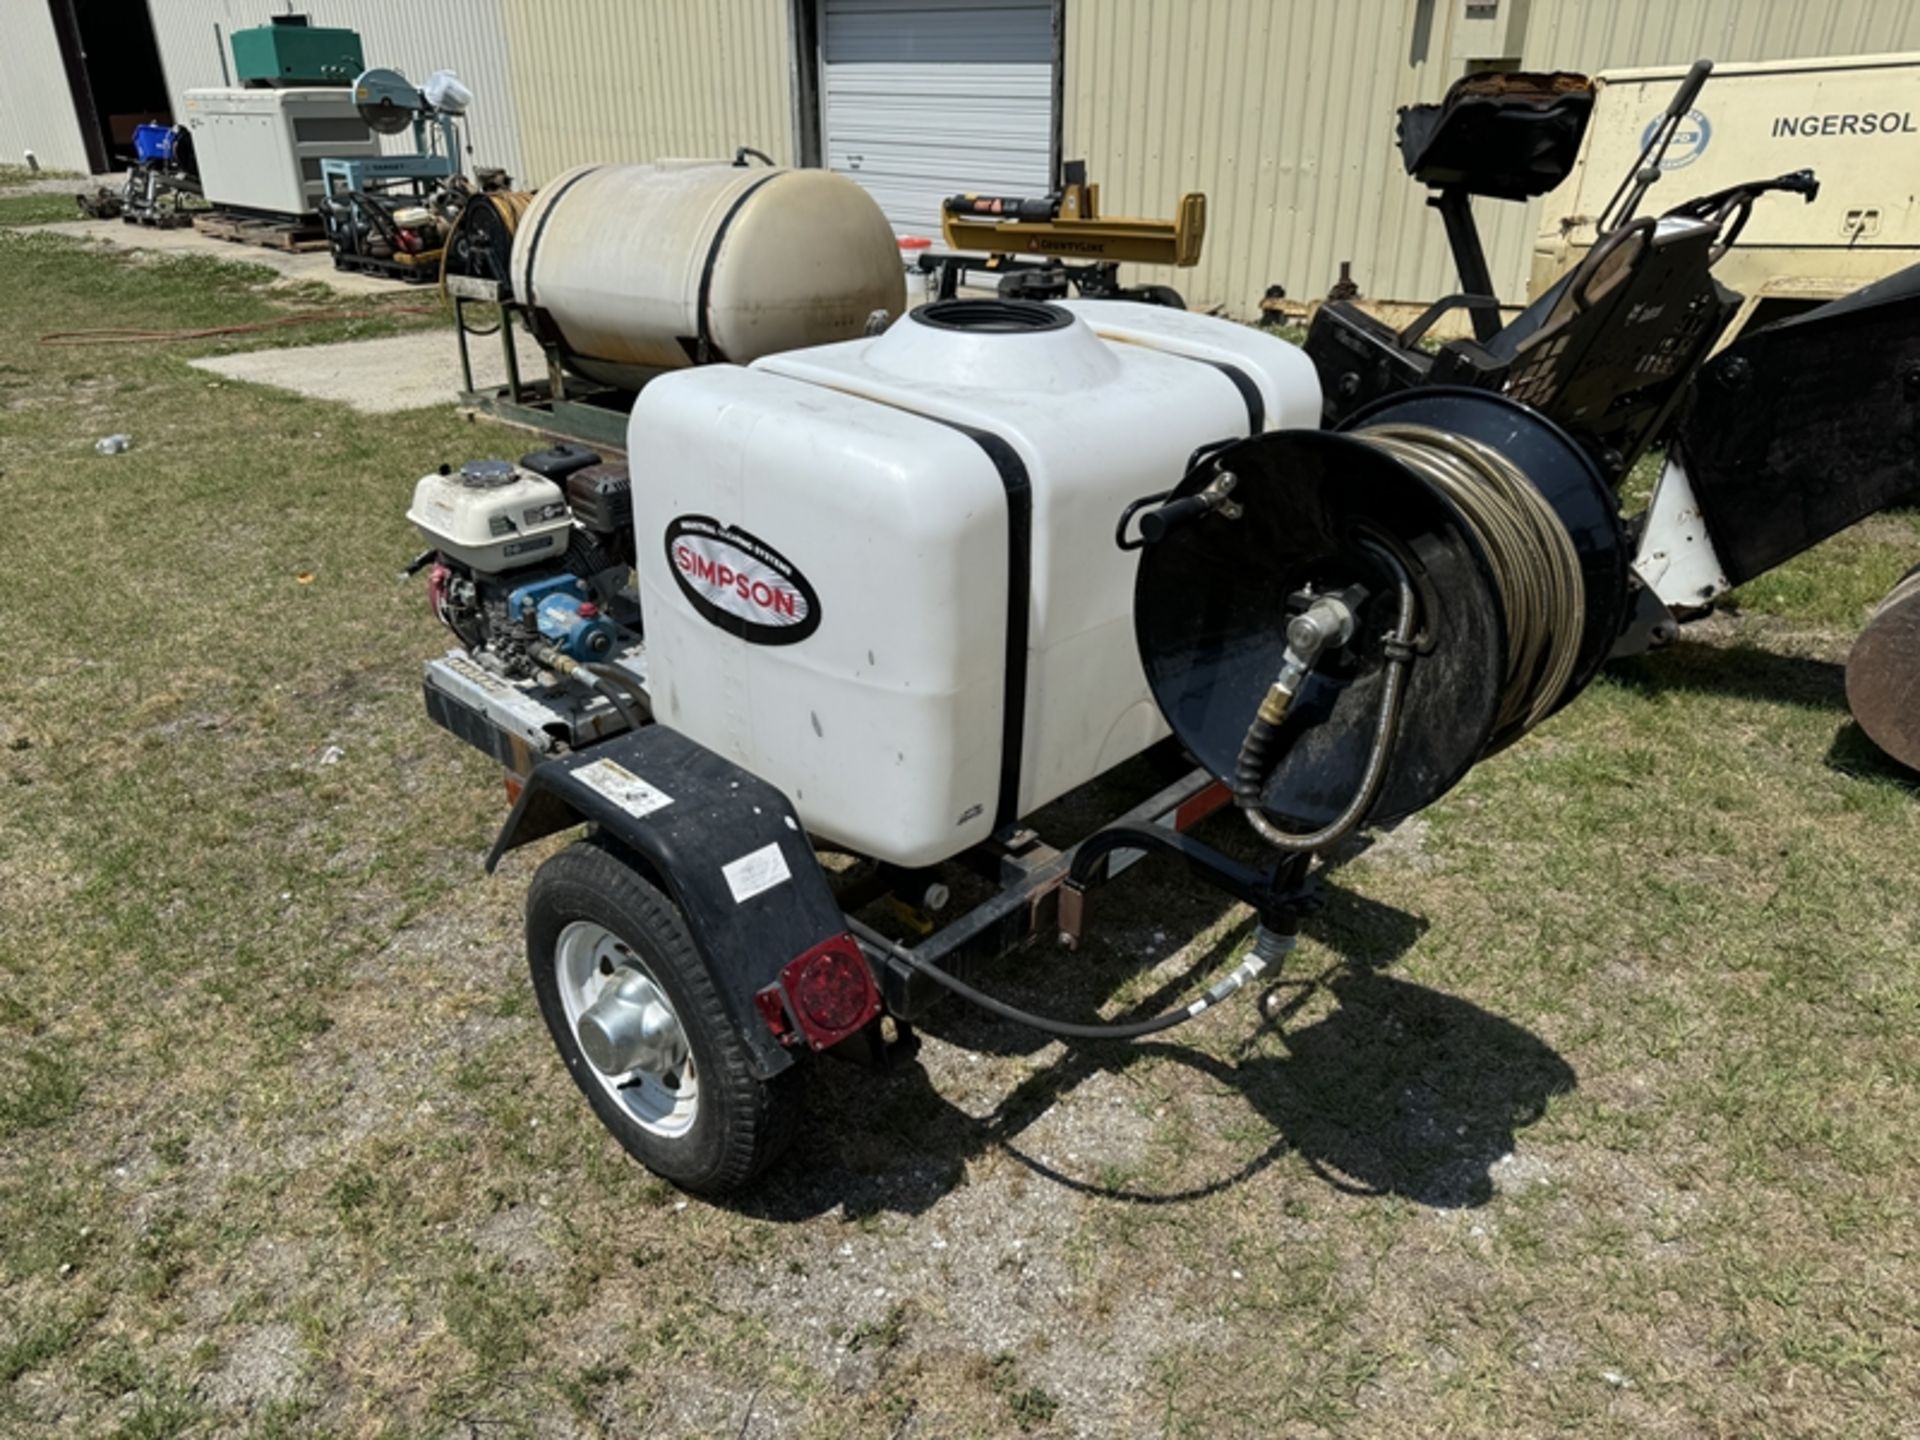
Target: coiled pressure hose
{"x": 480, "y": 240}
{"x": 1534, "y": 563}
{"x": 1536, "y": 571}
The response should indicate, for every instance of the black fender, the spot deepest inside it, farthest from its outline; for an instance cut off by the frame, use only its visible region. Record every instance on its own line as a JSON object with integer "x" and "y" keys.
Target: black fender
{"x": 722, "y": 842}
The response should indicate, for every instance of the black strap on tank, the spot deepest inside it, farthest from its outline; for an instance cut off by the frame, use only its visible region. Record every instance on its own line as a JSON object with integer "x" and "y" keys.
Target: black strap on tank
{"x": 533, "y": 240}
{"x": 706, "y": 350}
{"x": 1249, "y": 392}
{"x": 1013, "y": 702}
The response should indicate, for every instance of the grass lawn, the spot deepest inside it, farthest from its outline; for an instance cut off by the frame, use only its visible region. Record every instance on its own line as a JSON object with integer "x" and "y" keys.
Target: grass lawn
{"x": 1593, "y": 1110}
{"x": 37, "y": 209}
{"x": 12, "y": 177}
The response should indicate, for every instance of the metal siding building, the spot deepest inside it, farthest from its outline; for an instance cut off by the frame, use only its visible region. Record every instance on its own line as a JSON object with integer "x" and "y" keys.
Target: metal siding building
{"x": 1282, "y": 111}
{"x": 635, "y": 80}
{"x": 415, "y": 38}
{"x": 36, "y": 108}
{"x": 922, "y": 98}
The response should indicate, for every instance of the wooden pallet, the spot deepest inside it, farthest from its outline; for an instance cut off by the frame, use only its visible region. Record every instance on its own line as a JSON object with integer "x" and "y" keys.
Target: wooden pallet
{"x": 295, "y": 237}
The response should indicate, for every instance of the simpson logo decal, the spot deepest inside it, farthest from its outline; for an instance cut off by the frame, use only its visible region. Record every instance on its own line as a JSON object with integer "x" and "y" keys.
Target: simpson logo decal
{"x": 740, "y": 583}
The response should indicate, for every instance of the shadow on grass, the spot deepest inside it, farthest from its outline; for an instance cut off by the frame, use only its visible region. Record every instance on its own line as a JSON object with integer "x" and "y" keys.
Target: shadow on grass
{"x": 1856, "y": 756}
{"x": 1749, "y": 674}
{"x": 1741, "y": 672}
{"x": 1396, "y": 1090}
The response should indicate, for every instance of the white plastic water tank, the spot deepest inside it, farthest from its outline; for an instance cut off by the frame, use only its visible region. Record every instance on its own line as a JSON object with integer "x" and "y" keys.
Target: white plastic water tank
{"x": 638, "y": 269}
{"x": 883, "y": 575}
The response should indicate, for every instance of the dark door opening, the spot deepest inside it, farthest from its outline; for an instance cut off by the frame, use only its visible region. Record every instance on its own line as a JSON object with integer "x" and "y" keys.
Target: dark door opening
{"x": 113, "y": 69}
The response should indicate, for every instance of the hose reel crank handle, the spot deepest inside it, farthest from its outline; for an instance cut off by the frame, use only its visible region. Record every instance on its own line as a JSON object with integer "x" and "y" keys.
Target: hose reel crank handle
{"x": 1156, "y": 523}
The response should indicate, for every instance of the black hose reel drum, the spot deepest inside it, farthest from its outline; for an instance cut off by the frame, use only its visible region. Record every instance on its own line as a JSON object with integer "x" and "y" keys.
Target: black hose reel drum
{"x": 1516, "y": 603}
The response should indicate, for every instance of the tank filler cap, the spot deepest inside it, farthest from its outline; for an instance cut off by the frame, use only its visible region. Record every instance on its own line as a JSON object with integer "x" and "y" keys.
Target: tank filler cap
{"x": 1002, "y": 345}
{"x": 993, "y": 317}
{"x": 486, "y": 474}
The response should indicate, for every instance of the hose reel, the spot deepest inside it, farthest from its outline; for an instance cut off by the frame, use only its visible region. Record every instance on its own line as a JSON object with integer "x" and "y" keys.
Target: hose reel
{"x": 1476, "y": 555}
{"x": 480, "y": 243}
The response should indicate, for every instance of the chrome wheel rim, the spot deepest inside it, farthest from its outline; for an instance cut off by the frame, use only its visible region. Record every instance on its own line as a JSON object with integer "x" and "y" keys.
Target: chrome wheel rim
{"x": 586, "y": 960}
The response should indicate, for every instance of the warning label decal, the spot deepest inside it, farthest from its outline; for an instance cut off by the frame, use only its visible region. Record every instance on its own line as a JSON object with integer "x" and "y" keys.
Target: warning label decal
{"x": 623, "y": 788}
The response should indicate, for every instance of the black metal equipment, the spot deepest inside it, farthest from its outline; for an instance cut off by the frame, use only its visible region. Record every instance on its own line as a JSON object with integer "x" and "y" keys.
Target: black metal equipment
{"x": 1503, "y": 136}
{"x": 1339, "y": 625}
{"x": 1607, "y": 351}
{"x": 1800, "y": 429}
{"x": 1334, "y": 514}
{"x": 1506, "y": 135}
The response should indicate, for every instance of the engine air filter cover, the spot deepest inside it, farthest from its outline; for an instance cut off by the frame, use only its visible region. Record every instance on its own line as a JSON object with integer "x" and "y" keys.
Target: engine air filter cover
{"x": 1213, "y": 597}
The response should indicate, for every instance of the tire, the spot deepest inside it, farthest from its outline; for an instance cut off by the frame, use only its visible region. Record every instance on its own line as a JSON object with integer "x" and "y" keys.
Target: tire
{"x": 737, "y": 1125}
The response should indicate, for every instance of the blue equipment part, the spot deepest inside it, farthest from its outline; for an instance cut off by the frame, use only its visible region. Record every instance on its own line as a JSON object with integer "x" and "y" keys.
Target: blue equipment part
{"x": 157, "y": 144}
{"x": 565, "y": 616}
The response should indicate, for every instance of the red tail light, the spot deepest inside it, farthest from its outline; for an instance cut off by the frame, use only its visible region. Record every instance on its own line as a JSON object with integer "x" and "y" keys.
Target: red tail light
{"x": 829, "y": 991}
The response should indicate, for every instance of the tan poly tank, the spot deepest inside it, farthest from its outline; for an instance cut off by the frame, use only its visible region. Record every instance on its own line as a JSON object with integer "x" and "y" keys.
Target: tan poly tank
{"x": 636, "y": 269}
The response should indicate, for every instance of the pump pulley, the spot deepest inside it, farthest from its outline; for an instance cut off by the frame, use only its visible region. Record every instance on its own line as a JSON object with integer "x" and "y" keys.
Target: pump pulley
{"x": 1503, "y": 529}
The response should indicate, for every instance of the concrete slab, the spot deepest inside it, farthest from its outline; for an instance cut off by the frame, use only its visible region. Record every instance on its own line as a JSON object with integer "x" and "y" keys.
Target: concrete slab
{"x": 401, "y": 372}
{"x": 315, "y": 266}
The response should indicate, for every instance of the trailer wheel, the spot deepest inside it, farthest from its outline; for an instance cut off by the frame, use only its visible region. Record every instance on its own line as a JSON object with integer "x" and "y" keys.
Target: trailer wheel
{"x": 690, "y": 1109}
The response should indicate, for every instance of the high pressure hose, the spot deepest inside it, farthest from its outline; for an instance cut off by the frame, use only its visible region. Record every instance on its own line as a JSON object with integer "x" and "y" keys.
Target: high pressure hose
{"x": 612, "y": 676}
{"x": 1536, "y": 572}
{"x": 1535, "y": 566}
{"x": 1270, "y": 947}
{"x": 589, "y": 677}
{"x": 1305, "y": 643}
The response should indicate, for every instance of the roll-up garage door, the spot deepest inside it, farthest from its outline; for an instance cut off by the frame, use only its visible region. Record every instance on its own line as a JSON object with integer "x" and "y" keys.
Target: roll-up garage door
{"x": 923, "y": 99}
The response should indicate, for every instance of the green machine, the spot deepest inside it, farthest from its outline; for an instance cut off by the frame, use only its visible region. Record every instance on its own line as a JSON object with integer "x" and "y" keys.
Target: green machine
{"x": 289, "y": 52}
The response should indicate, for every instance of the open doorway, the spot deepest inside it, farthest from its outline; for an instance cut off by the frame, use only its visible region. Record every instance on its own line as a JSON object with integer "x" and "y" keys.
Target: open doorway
{"x": 113, "y": 69}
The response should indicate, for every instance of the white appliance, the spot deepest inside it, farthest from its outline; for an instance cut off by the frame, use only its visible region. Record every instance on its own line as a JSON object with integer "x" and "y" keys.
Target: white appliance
{"x": 882, "y": 574}
{"x": 261, "y": 149}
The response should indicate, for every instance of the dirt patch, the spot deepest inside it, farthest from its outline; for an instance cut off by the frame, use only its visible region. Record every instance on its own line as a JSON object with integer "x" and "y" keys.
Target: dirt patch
{"x": 261, "y": 1367}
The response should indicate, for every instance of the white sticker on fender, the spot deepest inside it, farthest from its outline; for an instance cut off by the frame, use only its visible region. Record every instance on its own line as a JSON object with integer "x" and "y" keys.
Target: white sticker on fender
{"x": 623, "y": 788}
{"x": 756, "y": 873}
